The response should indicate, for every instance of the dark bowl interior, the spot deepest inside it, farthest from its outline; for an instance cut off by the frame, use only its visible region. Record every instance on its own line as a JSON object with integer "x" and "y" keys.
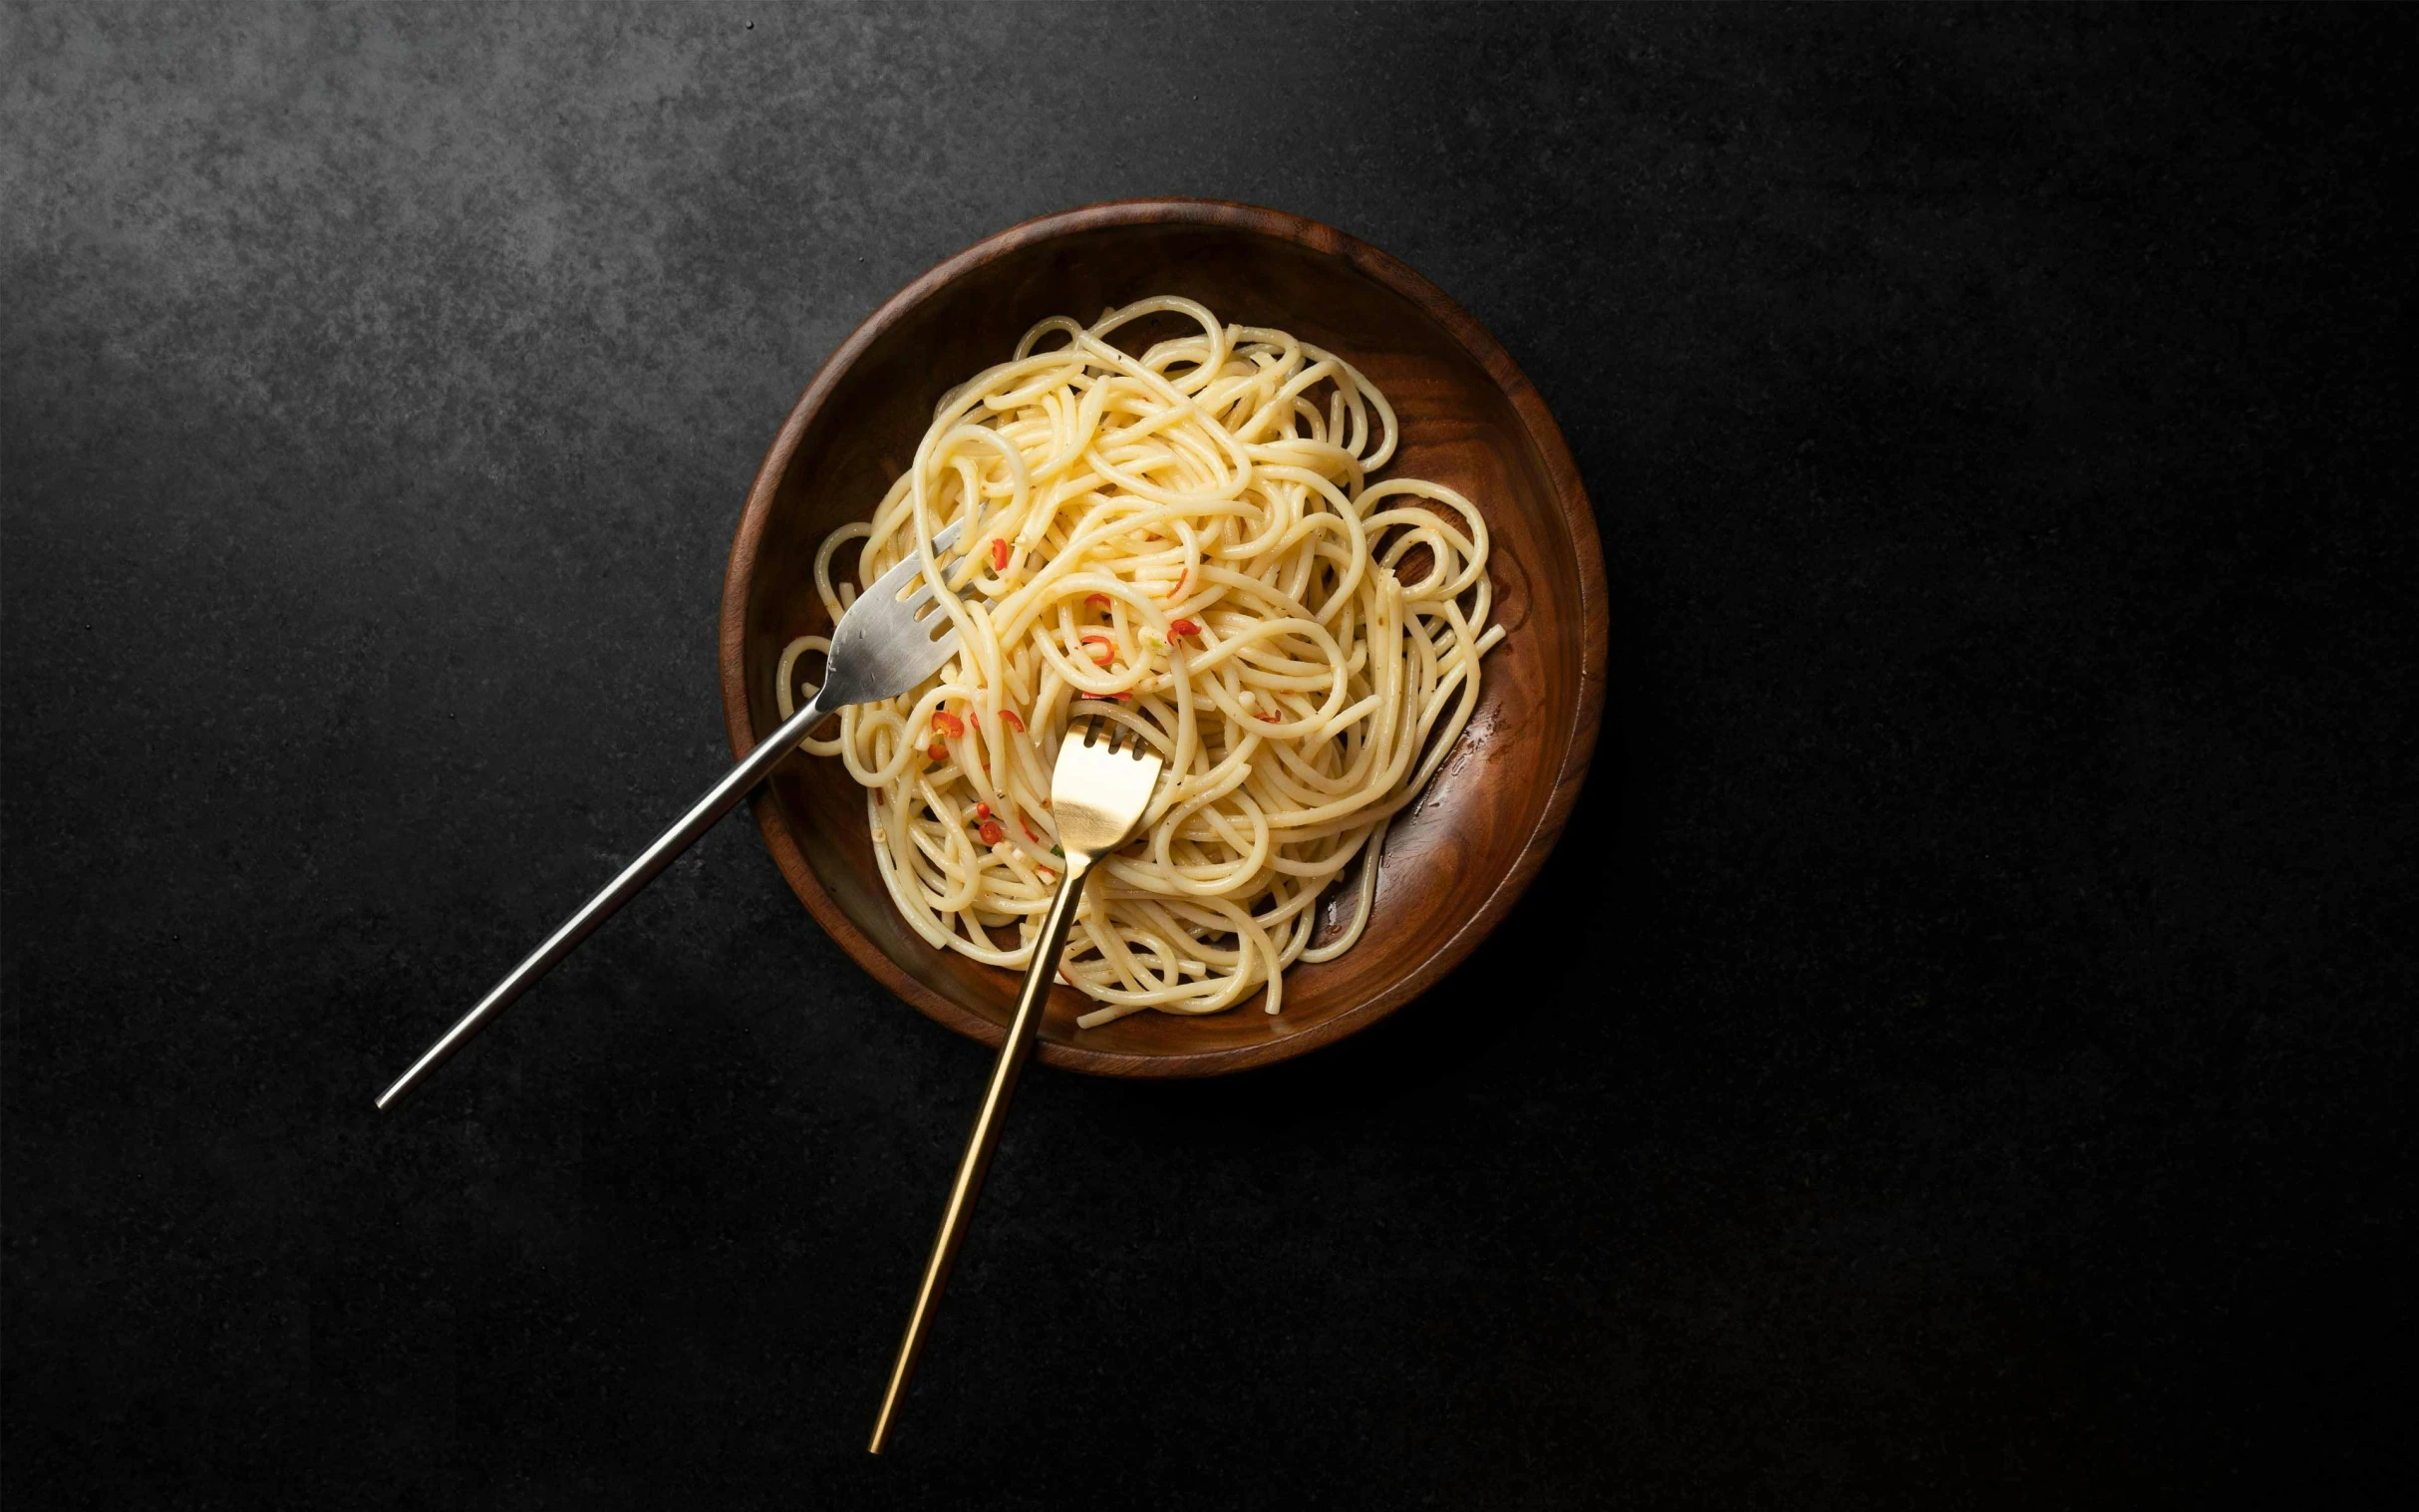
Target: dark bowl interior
{"x": 1456, "y": 861}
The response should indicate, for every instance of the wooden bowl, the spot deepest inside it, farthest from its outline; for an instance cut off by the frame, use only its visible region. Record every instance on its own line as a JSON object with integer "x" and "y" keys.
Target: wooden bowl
{"x": 1457, "y": 859}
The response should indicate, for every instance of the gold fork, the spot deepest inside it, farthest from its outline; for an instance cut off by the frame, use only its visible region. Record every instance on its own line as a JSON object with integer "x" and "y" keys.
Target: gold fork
{"x": 1097, "y": 793}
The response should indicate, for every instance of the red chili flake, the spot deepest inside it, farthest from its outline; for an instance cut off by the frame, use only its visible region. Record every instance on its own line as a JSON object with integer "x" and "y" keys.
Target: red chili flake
{"x": 981, "y": 811}
{"x": 1107, "y": 651}
{"x": 947, "y": 724}
{"x": 1272, "y": 719}
{"x": 991, "y": 832}
{"x": 1176, "y": 589}
{"x": 937, "y": 751}
{"x": 998, "y": 554}
{"x": 1100, "y": 599}
{"x": 1183, "y": 627}
{"x": 1029, "y": 830}
{"x": 1119, "y": 697}
{"x": 1009, "y": 718}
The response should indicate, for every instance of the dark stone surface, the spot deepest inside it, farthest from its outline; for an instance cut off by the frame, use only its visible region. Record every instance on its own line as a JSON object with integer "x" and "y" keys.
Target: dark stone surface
{"x": 1961, "y": 1055}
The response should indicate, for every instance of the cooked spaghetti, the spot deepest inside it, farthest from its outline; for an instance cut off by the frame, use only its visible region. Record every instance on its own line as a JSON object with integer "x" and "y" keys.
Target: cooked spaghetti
{"x": 1188, "y": 543}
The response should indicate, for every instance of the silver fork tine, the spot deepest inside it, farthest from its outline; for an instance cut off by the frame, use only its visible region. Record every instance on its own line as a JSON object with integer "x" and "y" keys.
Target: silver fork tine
{"x": 896, "y": 578}
{"x": 879, "y": 650}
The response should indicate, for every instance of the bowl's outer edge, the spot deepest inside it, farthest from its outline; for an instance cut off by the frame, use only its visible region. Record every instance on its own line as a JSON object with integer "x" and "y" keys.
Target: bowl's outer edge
{"x": 1579, "y": 519}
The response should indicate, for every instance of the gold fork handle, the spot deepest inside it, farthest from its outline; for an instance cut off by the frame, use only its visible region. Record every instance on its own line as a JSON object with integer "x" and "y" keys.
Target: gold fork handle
{"x": 1015, "y": 1050}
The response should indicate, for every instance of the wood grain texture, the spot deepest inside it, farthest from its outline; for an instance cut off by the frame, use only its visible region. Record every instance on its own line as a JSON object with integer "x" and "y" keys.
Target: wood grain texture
{"x": 1458, "y": 858}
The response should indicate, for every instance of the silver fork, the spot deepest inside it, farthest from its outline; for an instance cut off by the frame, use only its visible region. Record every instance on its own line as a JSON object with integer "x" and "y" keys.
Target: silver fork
{"x": 882, "y": 647}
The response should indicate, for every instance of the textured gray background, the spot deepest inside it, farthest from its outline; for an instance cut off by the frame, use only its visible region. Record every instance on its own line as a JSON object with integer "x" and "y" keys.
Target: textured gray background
{"x": 1959, "y": 1056}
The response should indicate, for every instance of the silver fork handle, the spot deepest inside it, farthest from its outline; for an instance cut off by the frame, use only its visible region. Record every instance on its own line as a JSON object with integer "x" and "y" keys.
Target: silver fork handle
{"x": 642, "y": 870}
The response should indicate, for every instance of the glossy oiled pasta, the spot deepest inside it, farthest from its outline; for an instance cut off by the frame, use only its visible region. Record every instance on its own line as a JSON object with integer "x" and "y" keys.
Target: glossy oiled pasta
{"x": 1187, "y": 540}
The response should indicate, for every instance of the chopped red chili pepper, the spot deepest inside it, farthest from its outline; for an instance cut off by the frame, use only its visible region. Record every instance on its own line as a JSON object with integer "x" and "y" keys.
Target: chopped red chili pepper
{"x": 1100, "y": 599}
{"x": 981, "y": 811}
{"x": 1176, "y": 588}
{"x": 1272, "y": 719}
{"x": 1029, "y": 830}
{"x": 1183, "y": 627}
{"x": 991, "y": 832}
{"x": 1119, "y": 697}
{"x": 947, "y": 724}
{"x": 998, "y": 554}
{"x": 937, "y": 751}
{"x": 1106, "y": 649}
{"x": 1010, "y": 718}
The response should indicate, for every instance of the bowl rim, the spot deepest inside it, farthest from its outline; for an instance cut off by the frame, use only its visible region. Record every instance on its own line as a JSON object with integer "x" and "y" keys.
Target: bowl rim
{"x": 1562, "y": 475}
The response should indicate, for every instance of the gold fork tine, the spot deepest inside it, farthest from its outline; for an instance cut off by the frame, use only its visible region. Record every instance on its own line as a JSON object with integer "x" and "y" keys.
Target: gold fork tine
{"x": 1098, "y": 794}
